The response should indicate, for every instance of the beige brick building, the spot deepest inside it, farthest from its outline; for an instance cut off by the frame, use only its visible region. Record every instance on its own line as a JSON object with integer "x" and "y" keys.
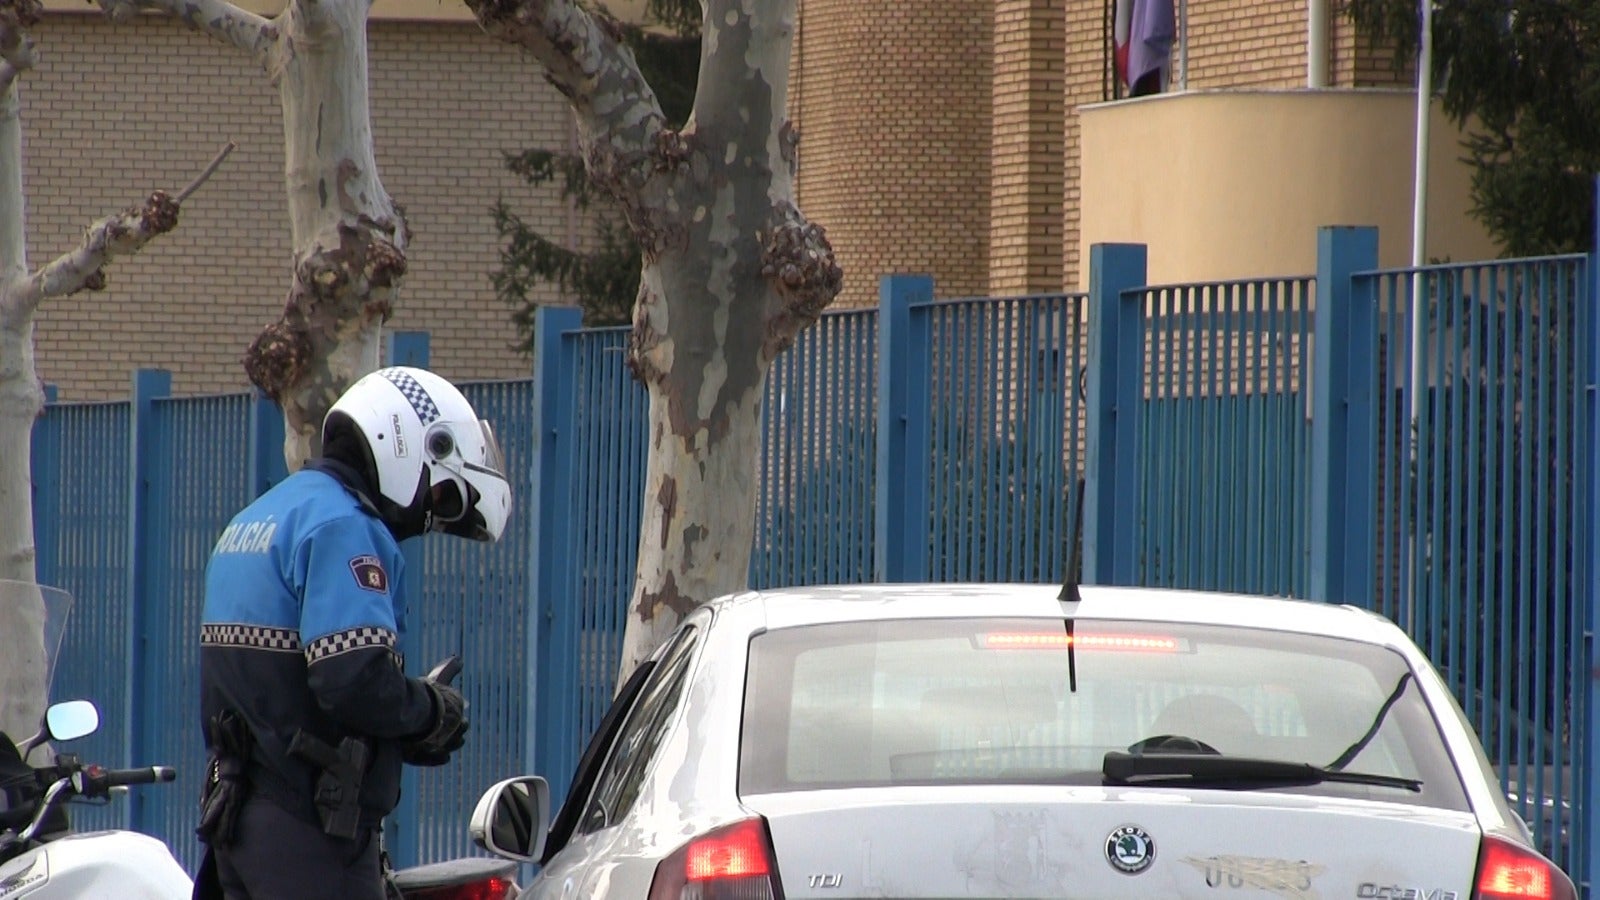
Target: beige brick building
{"x": 946, "y": 138}
{"x": 115, "y": 111}
{"x": 990, "y": 114}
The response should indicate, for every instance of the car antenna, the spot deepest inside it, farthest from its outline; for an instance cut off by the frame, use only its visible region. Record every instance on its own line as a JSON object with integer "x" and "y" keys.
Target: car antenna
{"x": 1069, "y": 594}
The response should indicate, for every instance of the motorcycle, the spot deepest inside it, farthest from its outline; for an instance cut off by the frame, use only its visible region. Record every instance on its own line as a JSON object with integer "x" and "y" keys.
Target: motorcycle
{"x": 41, "y": 858}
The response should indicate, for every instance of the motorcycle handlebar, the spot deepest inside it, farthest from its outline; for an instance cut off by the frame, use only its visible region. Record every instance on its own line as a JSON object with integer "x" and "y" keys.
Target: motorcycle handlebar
{"x": 101, "y": 781}
{"x": 85, "y": 781}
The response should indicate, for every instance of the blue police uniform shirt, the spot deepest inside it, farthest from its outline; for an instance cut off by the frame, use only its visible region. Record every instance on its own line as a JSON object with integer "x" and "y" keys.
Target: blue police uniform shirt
{"x": 300, "y": 631}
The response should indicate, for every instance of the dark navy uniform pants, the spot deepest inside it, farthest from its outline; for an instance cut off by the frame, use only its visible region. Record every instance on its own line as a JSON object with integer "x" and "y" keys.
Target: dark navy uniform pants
{"x": 279, "y": 856}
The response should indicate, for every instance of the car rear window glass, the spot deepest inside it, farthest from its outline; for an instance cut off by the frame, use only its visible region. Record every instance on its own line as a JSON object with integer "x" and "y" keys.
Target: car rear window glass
{"x": 951, "y": 701}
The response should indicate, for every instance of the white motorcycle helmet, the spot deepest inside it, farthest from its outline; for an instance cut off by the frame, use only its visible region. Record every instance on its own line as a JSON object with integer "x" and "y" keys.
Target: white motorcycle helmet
{"x": 429, "y": 453}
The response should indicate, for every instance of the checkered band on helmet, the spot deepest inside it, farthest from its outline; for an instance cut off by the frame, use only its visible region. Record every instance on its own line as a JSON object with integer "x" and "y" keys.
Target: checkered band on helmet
{"x": 414, "y": 394}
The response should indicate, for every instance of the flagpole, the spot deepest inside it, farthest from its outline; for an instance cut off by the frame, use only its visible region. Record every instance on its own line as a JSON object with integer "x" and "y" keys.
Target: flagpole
{"x": 1419, "y": 224}
{"x": 1316, "y": 44}
{"x": 1419, "y": 284}
{"x": 1183, "y": 45}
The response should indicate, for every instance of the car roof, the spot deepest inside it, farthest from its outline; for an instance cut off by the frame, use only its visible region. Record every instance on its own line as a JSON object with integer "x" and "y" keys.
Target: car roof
{"x": 797, "y": 606}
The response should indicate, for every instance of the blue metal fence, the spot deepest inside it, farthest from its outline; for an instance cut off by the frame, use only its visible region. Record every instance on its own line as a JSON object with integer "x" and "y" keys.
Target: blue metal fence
{"x": 472, "y": 600}
{"x": 1005, "y": 435}
{"x": 82, "y": 531}
{"x": 1226, "y": 378}
{"x": 1482, "y": 387}
{"x": 1251, "y": 435}
{"x": 190, "y": 485}
{"x": 593, "y": 444}
{"x": 819, "y": 440}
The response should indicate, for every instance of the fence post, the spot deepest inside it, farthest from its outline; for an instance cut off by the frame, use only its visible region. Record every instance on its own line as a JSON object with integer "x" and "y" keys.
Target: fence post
{"x": 551, "y": 670}
{"x": 266, "y": 466}
{"x": 1111, "y": 467}
{"x": 1344, "y": 462}
{"x": 1590, "y": 828}
{"x": 408, "y": 348}
{"x": 900, "y": 528}
{"x": 45, "y": 453}
{"x": 402, "y": 827}
{"x": 141, "y": 712}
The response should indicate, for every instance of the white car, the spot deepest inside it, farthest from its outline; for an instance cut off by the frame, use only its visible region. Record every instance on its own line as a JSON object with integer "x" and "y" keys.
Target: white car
{"x": 1026, "y": 741}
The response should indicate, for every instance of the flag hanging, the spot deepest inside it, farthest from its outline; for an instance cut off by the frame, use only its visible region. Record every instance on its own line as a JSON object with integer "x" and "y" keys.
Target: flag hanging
{"x": 1143, "y": 32}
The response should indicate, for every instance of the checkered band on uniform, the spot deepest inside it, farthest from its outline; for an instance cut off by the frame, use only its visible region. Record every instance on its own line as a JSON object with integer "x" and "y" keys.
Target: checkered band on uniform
{"x": 283, "y": 640}
{"x": 349, "y": 639}
{"x": 414, "y": 393}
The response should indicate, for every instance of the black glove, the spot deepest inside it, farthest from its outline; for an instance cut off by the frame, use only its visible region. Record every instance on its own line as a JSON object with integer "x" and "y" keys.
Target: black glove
{"x": 223, "y": 793}
{"x": 449, "y": 730}
{"x": 412, "y": 755}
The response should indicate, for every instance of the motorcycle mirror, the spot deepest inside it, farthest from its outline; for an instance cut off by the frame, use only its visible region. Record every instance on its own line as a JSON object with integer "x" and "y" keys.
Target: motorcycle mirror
{"x": 512, "y": 818}
{"x": 71, "y": 720}
{"x": 66, "y": 721}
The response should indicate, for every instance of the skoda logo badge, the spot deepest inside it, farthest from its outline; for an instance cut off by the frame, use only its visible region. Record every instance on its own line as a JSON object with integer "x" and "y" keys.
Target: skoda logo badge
{"x": 1130, "y": 850}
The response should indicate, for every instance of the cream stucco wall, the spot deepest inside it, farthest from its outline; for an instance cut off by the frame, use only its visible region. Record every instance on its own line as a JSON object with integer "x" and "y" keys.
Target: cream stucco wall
{"x": 1235, "y": 184}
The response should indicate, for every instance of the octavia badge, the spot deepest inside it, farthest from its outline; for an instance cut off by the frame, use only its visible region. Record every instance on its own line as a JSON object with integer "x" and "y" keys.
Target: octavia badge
{"x": 1130, "y": 850}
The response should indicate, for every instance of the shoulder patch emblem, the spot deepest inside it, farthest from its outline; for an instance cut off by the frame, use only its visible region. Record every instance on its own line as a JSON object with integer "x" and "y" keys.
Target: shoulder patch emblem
{"x": 369, "y": 574}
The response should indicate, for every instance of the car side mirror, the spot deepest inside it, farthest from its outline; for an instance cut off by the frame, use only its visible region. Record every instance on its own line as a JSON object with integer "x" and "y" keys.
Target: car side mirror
{"x": 512, "y": 818}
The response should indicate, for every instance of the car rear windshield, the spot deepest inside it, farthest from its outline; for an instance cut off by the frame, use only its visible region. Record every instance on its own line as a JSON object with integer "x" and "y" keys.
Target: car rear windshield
{"x": 988, "y": 700}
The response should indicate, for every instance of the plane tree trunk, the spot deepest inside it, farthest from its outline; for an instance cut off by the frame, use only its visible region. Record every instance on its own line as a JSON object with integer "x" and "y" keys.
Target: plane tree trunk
{"x": 349, "y": 237}
{"x": 23, "y": 688}
{"x": 732, "y": 272}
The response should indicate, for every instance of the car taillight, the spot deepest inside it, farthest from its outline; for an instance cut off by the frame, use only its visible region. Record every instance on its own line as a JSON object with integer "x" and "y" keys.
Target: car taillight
{"x": 1507, "y": 871}
{"x": 733, "y": 862}
{"x": 483, "y": 889}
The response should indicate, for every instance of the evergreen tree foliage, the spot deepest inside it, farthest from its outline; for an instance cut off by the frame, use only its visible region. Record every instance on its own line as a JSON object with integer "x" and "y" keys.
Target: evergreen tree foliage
{"x": 1522, "y": 78}
{"x": 604, "y": 277}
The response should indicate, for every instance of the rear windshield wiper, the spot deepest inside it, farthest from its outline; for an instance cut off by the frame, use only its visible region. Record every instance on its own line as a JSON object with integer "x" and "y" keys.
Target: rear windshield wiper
{"x": 1120, "y": 767}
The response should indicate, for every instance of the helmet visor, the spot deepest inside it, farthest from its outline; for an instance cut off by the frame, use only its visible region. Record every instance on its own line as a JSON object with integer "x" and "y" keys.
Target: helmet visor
{"x": 492, "y": 457}
{"x": 480, "y": 515}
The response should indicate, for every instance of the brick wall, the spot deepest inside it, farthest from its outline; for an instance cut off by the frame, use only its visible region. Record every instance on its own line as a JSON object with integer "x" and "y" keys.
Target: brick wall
{"x": 1358, "y": 61}
{"x": 1247, "y": 44}
{"x": 1231, "y": 44}
{"x": 1025, "y": 217}
{"x": 885, "y": 97}
{"x": 1087, "y": 80}
{"x": 892, "y": 102}
{"x": 1257, "y": 44}
{"x": 938, "y": 138}
{"x": 113, "y": 112}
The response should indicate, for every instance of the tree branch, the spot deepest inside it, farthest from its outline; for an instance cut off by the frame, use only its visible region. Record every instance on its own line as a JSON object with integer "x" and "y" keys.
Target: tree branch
{"x": 207, "y": 172}
{"x": 584, "y": 57}
{"x": 798, "y": 259}
{"x": 122, "y": 234}
{"x": 16, "y": 49}
{"x": 222, "y": 20}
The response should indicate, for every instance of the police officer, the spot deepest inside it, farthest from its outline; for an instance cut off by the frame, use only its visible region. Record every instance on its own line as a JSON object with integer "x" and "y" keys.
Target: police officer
{"x": 308, "y": 714}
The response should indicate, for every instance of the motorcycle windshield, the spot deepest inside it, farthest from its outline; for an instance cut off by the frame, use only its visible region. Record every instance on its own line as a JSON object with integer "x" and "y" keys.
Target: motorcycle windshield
{"x": 33, "y": 619}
